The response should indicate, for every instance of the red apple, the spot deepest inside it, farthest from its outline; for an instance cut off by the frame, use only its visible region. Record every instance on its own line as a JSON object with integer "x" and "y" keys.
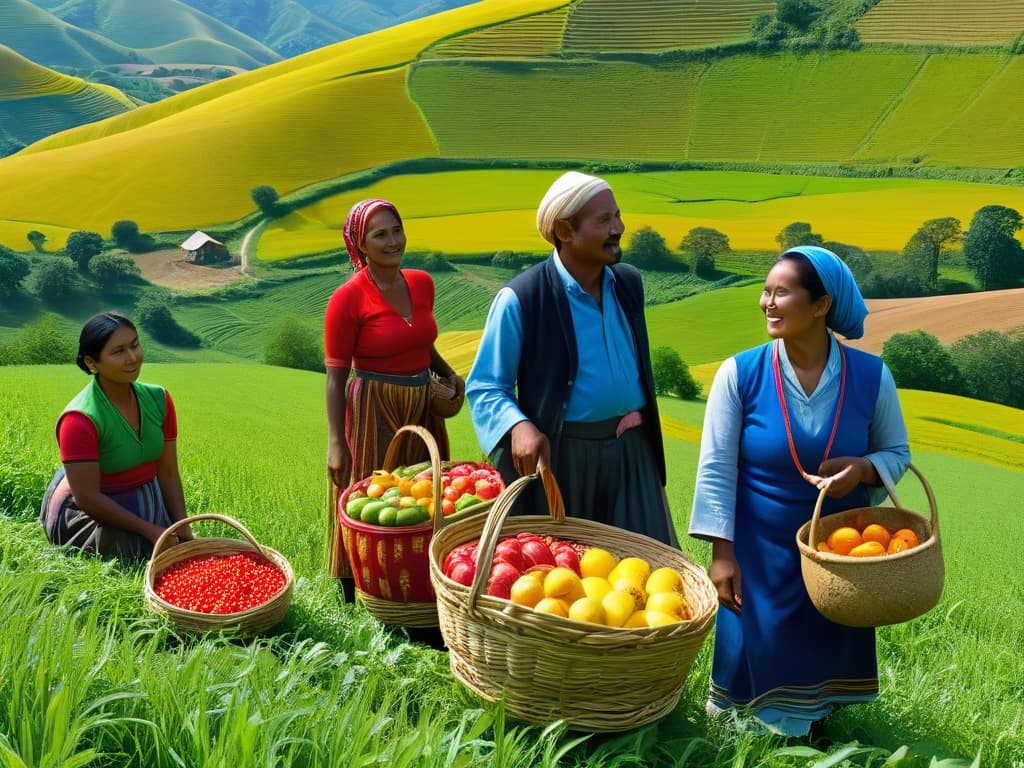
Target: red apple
{"x": 510, "y": 551}
{"x": 566, "y": 556}
{"x": 536, "y": 552}
{"x": 485, "y": 489}
{"x": 462, "y": 572}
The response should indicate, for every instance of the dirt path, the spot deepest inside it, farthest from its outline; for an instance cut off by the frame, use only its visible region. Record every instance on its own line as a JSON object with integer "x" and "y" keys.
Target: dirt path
{"x": 946, "y": 317}
{"x": 169, "y": 269}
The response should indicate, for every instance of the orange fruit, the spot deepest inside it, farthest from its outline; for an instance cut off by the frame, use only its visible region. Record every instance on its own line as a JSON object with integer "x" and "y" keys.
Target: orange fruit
{"x": 868, "y": 549}
{"x": 842, "y": 540}
{"x": 527, "y": 590}
{"x": 823, "y": 547}
{"x": 597, "y": 562}
{"x": 422, "y": 489}
{"x": 553, "y": 606}
{"x": 876, "y": 532}
{"x": 902, "y": 540}
{"x": 588, "y": 610}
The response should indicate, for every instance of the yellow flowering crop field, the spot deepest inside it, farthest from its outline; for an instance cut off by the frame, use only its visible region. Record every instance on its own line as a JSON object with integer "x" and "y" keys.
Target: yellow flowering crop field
{"x": 486, "y": 211}
{"x": 539, "y": 34}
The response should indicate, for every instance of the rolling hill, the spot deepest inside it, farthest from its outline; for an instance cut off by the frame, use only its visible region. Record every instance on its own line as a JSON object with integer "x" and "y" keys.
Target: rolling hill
{"x": 280, "y": 125}
{"x": 42, "y": 37}
{"x": 36, "y": 102}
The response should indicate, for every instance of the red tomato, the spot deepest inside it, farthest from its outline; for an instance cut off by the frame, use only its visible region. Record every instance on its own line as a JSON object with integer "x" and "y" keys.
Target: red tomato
{"x": 451, "y": 493}
{"x": 447, "y": 507}
{"x": 463, "y": 483}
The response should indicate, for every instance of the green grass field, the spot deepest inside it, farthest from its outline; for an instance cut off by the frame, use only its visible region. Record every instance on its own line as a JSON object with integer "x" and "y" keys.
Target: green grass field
{"x": 111, "y": 682}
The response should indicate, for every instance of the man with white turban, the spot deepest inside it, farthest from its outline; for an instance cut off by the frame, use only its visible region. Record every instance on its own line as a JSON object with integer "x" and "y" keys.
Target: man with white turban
{"x": 563, "y": 377}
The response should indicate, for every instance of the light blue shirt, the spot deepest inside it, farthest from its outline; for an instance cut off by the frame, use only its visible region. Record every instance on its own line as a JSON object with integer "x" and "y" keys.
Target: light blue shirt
{"x": 607, "y": 381}
{"x": 714, "y": 496}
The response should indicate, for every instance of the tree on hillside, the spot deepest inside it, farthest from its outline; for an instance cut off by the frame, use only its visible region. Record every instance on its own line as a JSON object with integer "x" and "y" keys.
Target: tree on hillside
{"x": 294, "y": 345}
{"x": 14, "y": 268}
{"x": 266, "y": 199}
{"x": 506, "y": 260}
{"x": 925, "y": 246}
{"x": 125, "y": 233}
{"x": 112, "y": 269}
{"x": 992, "y": 367}
{"x": 82, "y": 246}
{"x": 797, "y": 13}
{"x": 55, "y": 278}
{"x": 918, "y": 361}
{"x": 705, "y": 243}
{"x": 797, "y": 233}
{"x": 990, "y": 249}
{"x": 856, "y": 259}
{"x": 37, "y": 239}
{"x": 648, "y": 250}
{"x": 40, "y": 343}
{"x": 671, "y": 375}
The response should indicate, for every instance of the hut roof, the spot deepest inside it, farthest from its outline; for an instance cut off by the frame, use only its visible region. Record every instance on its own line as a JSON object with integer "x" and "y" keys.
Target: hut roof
{"x": 197, "y": 240}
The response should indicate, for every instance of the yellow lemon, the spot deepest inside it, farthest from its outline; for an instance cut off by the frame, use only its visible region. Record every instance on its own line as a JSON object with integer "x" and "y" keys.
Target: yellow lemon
{"x": 665, "y": 580}
{"x": 638, "y": 619}
{"x": 660, "y": 618}
{"x": 666, "y": 602}
{"x": 618, "y": 607}
{"x": 554, "y": 606}
{"x": 588, "y": 610}
{"x": 595, "y": 586}
{"x": 597, "y": 562}
{"x": 563, "y": 583}
{"x": 527, "y": 590}
{"x": 634, "y": 567}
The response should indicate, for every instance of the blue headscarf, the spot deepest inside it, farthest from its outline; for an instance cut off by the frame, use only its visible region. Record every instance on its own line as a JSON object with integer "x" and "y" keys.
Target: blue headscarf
{"x": 848, "y": 309}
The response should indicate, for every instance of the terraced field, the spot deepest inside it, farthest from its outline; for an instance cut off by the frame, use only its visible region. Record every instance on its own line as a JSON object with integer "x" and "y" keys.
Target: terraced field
{"x": 531, "y": 36}
{"x": 994, "y": 22}
{"x": 611, "y": 26}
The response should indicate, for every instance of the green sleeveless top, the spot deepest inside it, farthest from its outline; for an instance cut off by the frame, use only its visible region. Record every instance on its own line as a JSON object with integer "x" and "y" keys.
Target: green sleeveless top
{"x": 120, "y": 447}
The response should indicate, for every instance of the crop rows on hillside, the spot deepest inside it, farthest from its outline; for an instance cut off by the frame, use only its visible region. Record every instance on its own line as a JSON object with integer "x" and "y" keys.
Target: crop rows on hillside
{"x": 610, "y": 26}
{"x": 943, "y": 21}
{"x": 556, "y": 110}
{"x": 33, "y": 118}
{"x": 988, "y": 133}
{"x": 943, "y": 88}
{"x": 537, "y": 35}
{"x": 21, "y": 78}
{"x": 747, "y": 105}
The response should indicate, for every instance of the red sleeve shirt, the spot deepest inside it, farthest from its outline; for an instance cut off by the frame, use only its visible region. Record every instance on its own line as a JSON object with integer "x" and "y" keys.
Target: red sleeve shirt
{"x": 78, "y": 440}
{"x": 362, "y": 330}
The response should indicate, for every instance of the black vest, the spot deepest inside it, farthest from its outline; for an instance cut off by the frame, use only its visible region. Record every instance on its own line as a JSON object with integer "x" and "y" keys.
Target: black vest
{"x": 548, "y": 364}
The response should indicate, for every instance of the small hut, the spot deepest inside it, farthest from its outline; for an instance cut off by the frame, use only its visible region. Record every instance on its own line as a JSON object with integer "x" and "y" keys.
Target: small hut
{"x": 200, "y": 248}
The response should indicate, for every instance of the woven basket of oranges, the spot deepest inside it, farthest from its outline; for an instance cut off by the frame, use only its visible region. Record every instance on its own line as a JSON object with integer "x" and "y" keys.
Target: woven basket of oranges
{"x": 872, "y": 566}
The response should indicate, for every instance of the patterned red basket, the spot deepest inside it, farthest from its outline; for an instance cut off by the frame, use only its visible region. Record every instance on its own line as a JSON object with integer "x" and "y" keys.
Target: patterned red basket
{"x": 391, "y": 564}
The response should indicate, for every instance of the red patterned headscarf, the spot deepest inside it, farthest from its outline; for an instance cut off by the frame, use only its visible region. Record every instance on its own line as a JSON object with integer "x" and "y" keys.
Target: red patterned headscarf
{"x": 354, "y": 230}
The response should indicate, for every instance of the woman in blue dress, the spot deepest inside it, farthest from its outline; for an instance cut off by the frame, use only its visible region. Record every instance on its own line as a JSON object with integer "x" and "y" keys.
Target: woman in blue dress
{"x": 784, "y": 420}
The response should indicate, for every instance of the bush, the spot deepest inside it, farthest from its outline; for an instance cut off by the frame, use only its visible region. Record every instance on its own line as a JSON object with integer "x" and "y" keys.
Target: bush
{"x": 153, "y": 314}
{"x": 14, "y": 268}
{"x": 55, "y": 278}
{"x": 671, "y": 375}
{"x": 111, "y": 269}
{"x": 506, "y": 260}
{"x": 82, "y": 246}
{"x": 648, "y": 250}
{"x": 39, "y": 343}
{"x": 991, "y": 365}
{"x": 294, "y": 345}
{"x": 918, "y": 361}
{"x": 266, "y": 199}
{"x": 432, "y": 262}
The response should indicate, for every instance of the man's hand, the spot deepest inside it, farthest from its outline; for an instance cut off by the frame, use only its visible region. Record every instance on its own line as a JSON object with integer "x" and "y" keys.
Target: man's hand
{"x": 529, "y": 446}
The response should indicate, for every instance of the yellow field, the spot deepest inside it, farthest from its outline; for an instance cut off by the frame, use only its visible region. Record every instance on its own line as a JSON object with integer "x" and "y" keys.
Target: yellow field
{"x": 536, "y": 35}
{"x": 942, "y": 21}
{"x": 489, "y": 211}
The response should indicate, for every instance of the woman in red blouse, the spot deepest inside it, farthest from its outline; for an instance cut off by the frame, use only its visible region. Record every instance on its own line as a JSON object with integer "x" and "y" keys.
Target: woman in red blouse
{"x": 380, "y": 328}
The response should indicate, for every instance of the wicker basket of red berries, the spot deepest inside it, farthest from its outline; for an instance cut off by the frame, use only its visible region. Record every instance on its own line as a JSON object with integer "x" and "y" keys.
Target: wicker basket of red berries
{"x": 211, "y": 583}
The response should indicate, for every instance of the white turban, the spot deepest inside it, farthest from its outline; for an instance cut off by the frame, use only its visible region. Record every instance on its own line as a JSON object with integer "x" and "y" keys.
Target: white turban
{"x": 570, "y": 192}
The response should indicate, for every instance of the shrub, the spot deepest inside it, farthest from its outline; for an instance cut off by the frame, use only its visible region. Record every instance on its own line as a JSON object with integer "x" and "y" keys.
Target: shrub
{"x": 82, "y": 246}
{"x": 918, "y": 361}
{"x": 506, "y": 260}
{"x": 55, "y": 278}
{"x": 14, "y": 268}
{"x": 648, "y": 250}
{"x": 294, "y": 345}
{"x": 39, "y": 343}
{"x": 111, "y": 269}
{"x": 433, "y": 262}
{"x": 671, "y": 375}
{"x": 153, "y": 313}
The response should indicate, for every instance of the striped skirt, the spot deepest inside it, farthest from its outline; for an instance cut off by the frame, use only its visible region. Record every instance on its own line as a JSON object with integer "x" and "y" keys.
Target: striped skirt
{"x": 68, "y": 525}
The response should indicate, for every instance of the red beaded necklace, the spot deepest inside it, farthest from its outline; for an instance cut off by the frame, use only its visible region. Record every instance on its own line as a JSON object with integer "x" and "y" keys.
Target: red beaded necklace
{"x": 785, "y": 411}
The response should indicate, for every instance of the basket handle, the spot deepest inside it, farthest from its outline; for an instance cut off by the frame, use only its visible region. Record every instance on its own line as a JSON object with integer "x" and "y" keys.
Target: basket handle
{"x": 391, "y": 462}
{"x": 169, "y": 530}
{"x": 812, "y": 536}
{"x": 496, "y": 519}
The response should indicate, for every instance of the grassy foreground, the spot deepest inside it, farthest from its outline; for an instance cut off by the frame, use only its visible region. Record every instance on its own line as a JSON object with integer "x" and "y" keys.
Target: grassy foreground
{"x": 88, "y": 676}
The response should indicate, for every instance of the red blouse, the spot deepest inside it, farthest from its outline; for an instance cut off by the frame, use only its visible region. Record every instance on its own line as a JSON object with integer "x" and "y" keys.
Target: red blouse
{"x": 362, "y": 330}
{"x": 78, "y": 440}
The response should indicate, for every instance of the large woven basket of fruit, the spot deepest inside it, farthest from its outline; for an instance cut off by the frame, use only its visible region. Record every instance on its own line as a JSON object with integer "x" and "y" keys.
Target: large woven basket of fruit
{"x": 387, "y": 521}
{"x": 568, "y": 619}
{"x": 215, "y": 583}
{"x": 872, "y": 566}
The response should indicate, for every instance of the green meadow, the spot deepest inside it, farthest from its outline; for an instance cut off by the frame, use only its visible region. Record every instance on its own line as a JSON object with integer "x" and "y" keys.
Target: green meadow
{"x": 89, "y": 676}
